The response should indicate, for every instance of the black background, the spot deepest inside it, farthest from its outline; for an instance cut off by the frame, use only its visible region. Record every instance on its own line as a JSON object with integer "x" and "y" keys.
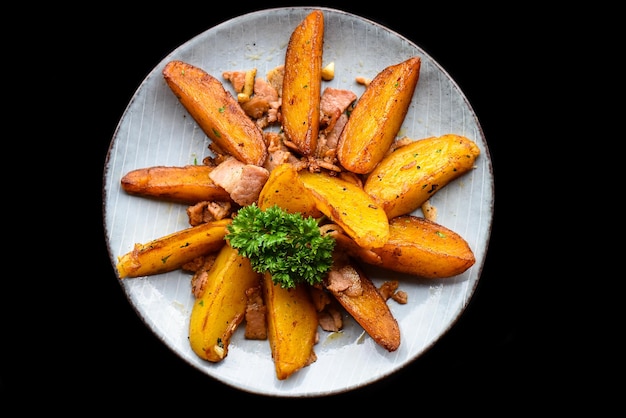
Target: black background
{"x": 101, "y": 353}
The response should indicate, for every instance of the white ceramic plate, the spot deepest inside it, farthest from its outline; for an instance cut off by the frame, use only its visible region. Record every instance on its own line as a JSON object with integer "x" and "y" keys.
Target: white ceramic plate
{"x": 156, "y": 130}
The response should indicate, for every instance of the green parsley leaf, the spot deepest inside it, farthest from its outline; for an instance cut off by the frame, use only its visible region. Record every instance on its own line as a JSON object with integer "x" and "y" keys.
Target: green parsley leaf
{"x": 284, "y": 244}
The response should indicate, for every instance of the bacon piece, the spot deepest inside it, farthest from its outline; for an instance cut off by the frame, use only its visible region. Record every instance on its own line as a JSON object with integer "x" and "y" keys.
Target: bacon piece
{"x": 256, "y": 326}
{"x": 333, "y": 103}
{"x": 208, "y": 211}
{"x": 236, "y": 78}
{"x": 242, "y": 181}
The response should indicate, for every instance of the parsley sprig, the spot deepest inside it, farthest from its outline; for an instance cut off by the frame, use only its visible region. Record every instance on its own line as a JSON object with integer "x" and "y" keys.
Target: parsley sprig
{"x": 287, "y": 245}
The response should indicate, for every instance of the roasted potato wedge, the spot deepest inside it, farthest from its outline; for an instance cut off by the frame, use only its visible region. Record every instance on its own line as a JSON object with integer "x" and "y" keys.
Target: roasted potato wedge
{"x": 302, "y": 82}
{"x": 412, "y": 174}
{"x": 285, "y": 189}
{"x": 222, "y": 307}
{"x": 378, "y": 116}
{"x": 291, "y": 326}
{"x": 170, "y": 252}
{"x": 188, "y": 184}
{"x": 359, "y": 296}
{"x": 216, "y": 111}
{"x": 424, "y": 248}
{"x": 347, "y": 204}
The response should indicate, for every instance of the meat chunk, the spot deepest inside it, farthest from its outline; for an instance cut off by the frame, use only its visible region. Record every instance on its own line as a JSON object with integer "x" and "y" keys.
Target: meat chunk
{"x": 200, "y": 277}
{"x": 278, "y": 153}
{"x": 328, "y": 310}
{"x": 242, "y": 181}
{"x": 236, "y": 78}
{"x": 389, "y": 289}
{"x": 345, "y": 280}
{"x": 256, "y": 327}
{"x": 333, "y": 103}
{"x": 208, "y": 211}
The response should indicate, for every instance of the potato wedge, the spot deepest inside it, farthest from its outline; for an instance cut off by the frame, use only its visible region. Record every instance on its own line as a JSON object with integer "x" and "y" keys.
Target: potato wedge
{"x": 172, "y": 251}
{"x": 424, "y": 248}
{"x": 222, "y": 307}
{"x": 216, "y": 111}
{"x": 412, "y": 174}
{"x": 291, "y": 326}
{"x": 378, "y": 116}
{"x": 347, "y": 204}
{"x": 188, "y": 184}
{"x": 302, "y": 82}
{"x": 285, "y": 189}
{"x": 359, "y": 296}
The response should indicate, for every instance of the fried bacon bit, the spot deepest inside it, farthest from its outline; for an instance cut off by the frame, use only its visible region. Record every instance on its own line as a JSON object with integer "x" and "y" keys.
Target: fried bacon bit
{"x": 242, "y": 181}
{"x": 333, "y": 103}
{"x": 259, "y": 98}
{"x": 400, "y": 296}
{"x": 319, "y": 298}
{"x": 194, "y": 265}
{"x": 330, "y": 319}
{"x": 345, "y": 279}
{"x": 200, "y": 277}
{"x": 256, "y": 327}
{"x": 389, "y": 290}
{"x": 236, "y": 78}
{"x": 278, "y": 153}
{"x": 429, "y": 211}
{"x": 208, "y": 211}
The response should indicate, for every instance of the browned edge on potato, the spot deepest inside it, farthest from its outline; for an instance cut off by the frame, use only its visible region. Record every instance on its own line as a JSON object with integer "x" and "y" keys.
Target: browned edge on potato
{"x": 377, "y": 116}
{"x": 216, "y": 111}
{"x": 302, "y": 82}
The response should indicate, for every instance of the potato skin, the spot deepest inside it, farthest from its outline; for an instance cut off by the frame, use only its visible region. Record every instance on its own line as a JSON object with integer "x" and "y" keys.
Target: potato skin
{"x": 216, "y": 111}
{"x": 285, "y": 189}
{"x": 369, "y": 309}
{"x": 346, "y": 204}
{"x": 291, "y": 326}
{"x": 424, "y": 248}
{"x": 378, "y": 116}
{"x": 302, "y": 82}
{"x": 170, "y": 252}
{"x": 412, "y": 174}
{"x": 218, "y": 312}
{"x": 188, "y": 184}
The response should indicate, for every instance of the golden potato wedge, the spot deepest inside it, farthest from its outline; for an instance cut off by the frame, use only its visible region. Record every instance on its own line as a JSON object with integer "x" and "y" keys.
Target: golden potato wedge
{"x": 291, "y": 326}
{"x": 222, "y": 307}
{"x": 172, "y": 251}
{"x": 359, "y": 296}
{"x": 285, "y": 189}
{"x": 302, "y": 82}
{"x": 216, "y": 111}
{"x": 424, "y": 248}
{"x": 188, "y": 184}
{"x": 378, "y": 116}
{"x": 347, "y": 204}
{"x": 412, "y": 174}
